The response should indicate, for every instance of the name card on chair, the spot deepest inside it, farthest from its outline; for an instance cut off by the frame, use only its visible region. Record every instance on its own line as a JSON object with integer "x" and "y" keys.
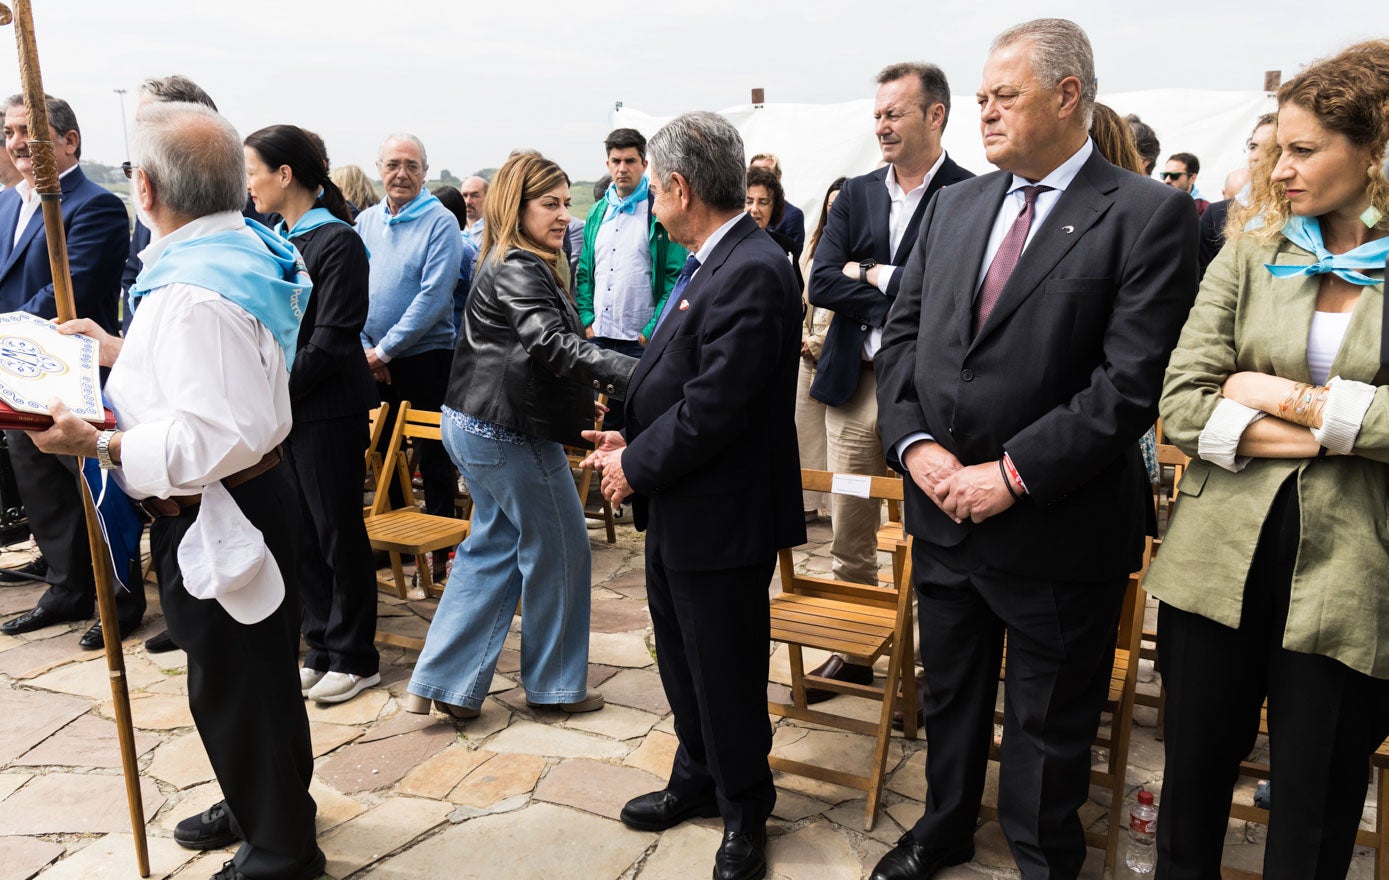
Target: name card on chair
{"x": 852, "y": 484}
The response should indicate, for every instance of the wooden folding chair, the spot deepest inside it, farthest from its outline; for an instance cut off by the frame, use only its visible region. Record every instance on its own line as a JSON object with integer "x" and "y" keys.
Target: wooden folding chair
{"x": 583, "y": 478}
{"x": 408, "y": 529}
{"x": 1118, "y": 706}
{"x": 376, "y": 425}
{"x": 862, "y": 620}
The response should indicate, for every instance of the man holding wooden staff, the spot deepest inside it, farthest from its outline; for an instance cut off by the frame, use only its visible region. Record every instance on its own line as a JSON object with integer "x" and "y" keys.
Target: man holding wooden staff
{"x": 200, "y": 388}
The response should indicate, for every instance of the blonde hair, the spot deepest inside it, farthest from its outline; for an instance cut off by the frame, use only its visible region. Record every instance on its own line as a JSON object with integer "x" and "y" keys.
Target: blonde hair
{"x": 355, "y": 185}
{"x": 1349, "y": 94}
{"x": 524, "y": 177}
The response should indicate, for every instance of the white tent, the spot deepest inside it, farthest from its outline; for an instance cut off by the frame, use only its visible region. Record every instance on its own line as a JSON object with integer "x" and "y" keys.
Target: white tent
{"x": 819, "y": 142}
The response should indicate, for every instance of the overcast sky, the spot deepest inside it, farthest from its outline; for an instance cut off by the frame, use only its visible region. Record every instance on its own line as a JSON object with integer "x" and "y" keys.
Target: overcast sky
{"x": 475, "y": 79}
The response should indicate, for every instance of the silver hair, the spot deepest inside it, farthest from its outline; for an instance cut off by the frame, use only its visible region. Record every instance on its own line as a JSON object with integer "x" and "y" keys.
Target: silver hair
{"x": 192, "y": 157}
{"x": 706, "y": 150}
{"x": 1060, "y": 49}
{"x": 60, "y": 118}
{"x": 404, "y": 136}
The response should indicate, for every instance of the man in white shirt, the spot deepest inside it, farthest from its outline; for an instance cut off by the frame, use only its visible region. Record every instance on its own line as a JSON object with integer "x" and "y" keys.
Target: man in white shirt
{"x": 474, "y": 191}
{"x": 856, "y": 274}
{"x": 198, "y": 442}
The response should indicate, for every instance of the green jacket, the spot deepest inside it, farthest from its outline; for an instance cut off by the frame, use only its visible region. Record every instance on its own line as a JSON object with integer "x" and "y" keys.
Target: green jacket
{"x": 667, "y": 259}
{"x": 1245, "y": 319}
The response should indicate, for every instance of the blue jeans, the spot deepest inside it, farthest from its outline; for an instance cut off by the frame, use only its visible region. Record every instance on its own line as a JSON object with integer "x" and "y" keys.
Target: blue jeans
{"x": 529, "y": 542}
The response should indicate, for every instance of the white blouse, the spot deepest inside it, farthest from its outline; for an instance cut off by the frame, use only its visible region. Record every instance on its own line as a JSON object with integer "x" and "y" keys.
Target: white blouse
{"x": 1323, "y": 341}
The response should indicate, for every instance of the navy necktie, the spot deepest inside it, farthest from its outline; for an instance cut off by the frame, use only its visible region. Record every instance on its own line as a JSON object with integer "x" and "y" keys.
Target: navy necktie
{"x": 686, "y": 273}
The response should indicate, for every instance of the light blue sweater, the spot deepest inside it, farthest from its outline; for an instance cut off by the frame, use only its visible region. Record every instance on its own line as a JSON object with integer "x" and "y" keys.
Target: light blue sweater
{"x": 414, "y": 268}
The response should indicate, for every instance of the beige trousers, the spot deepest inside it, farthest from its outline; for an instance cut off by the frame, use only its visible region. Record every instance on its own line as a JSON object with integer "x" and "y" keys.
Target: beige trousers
{"x": 810, "y": 433}
{"x": 853, "y": 447}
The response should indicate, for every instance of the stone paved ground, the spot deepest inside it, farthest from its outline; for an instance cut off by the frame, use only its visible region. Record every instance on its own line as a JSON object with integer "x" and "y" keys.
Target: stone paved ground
{"x": 518, "y": 793}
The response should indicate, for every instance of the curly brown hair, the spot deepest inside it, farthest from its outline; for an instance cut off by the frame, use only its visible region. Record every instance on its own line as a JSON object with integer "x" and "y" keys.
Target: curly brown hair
{"x": 1349, "y": 94}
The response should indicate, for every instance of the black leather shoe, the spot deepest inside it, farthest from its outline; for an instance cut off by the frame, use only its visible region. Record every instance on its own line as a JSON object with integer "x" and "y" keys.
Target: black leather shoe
{"x": 311, "y": 870}
{"x": 25, "y": 574}
{"x": 838, "y": 669}
{"x": 34, "y": 618}
{"x": 661, "y": 810}
{"x": 91, "y": 639}
{"x": 912, "y": 860}
{"x": 899, "y": 720}
{"x": 742, "y": 856}
{"x": 210, "y": 829}
{"x": 160, "y": 642}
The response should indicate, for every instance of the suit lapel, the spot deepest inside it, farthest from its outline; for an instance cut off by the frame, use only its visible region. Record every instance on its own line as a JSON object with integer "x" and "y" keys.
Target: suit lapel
{"x": 9, "y": 216}
{"x": 35, "y": 226}
{"x": 973, "y": 228}
{"x": 1083, "y": 203}
{"x": 879, "y": 216}
{"x": 947, "y": 173}
{"x": 741, "y": 230}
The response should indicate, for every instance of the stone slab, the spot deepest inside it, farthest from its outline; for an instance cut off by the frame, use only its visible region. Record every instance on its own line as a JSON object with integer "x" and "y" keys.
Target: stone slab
{"x": 793, "y": 807}
{"x": 10, "y": 783}
{"x": 619, "y": 616}
{"x": 87, "y": 742}
{"x": 23, "y": 857}
{"x": 31, "y": 717}
{"x": 72, "y": 803}
{"x": 327, "y": 737}
{"x": 91, "y": 679}
{"x": 819, "y": 851}
{"x": 182, "y": 762}
{"x": 681, "y": 853}
{"x": 655, "y": 755}
{"x": 113, "y": 856}
{"x": 614, "y": 722}
{"x": 529, "y": 738}
{"x": 638, "y": 688}
{"x": 595, "y": 787}
{"x": 439, "y": 775}
{"x": 624, "y": 649}
{"x": 190, "y": 802}
{"x": 576, "y": 845}
{"x": 370, "y": 766}
{"x": 28, "y": 659}
{"x": 909, "y": 780}
{"x": 362, "y": 709}
{"x": 154, "y": 711}
{"x": 379, "y": 831}
{"x": 334, "y": 807}
{"x": 501, "y": 777}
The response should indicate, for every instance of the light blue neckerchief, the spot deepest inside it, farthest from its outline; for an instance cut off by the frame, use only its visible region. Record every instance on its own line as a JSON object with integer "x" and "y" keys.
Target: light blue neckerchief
{"x": 413, "y": 211}
{"x": 618, "y": 205}
{"x": 315, "y": 217}
{"x": 1305, "y": 232}
{"x": 264, "y": 275}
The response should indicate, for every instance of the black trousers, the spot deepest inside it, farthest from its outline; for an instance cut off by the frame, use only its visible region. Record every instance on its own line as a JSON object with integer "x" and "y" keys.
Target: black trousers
{"x": 1324, "y": 719}
{"x": 337, "y": 583}
{"x": 243, "y": 686}
{"x": 423, "y": 380}
{"x": 713, "y": 629}
{"x": 1060, "y": 652}
{"x": 53, "y": 503}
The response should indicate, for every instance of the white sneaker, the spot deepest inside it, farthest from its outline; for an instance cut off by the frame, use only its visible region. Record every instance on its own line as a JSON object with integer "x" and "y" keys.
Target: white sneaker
{"x": 308, "y": 678}
{"x": 339, "y": 687}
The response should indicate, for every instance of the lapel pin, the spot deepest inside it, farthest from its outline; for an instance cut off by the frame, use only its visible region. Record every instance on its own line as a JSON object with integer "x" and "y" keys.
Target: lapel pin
{"x": 1068, "y": 229}
{"x": 684, "y": 304}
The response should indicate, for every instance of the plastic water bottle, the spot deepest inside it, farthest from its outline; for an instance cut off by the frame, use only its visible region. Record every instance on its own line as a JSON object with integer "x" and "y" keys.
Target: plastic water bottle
{"x": 1141, "y": 856}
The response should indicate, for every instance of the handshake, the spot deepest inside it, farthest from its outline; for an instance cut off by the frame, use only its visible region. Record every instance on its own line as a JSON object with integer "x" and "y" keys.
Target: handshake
{"x": 606, "y": 459}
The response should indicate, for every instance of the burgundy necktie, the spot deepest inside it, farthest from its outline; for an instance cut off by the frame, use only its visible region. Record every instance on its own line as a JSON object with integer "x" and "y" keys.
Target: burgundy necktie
{"x": 1006, "y": 258}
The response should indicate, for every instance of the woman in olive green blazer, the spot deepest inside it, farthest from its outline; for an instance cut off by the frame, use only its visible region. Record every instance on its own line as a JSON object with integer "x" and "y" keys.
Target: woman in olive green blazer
{"x": 1274, "y": 575}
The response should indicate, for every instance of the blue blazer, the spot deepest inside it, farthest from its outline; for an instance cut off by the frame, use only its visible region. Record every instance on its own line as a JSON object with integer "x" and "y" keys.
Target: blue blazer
{"x": 711, "y": 413}
{"x": 98, "y": 231}
{"x": 857, "y": 230}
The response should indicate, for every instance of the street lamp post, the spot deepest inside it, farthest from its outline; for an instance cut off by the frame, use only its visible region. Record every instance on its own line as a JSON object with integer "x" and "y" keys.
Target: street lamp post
{"x": 125, "y": 134}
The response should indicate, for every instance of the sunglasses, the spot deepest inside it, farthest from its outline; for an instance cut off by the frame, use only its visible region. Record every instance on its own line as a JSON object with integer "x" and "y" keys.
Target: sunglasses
{"x": 1166, "y": 175}
{"x": 128, "y": 169}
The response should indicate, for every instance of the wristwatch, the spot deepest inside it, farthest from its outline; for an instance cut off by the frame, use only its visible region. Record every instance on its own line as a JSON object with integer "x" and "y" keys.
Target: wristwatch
{"x": 863, "y": 268}
{"x": 103, "y": 450}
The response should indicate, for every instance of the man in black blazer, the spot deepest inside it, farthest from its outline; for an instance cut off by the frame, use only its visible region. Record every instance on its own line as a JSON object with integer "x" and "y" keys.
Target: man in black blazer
{"x": 858, "y": 269}
{"x": 97, "y": 227}
{"x": 711, "y": 463}
{"x": 1021, "y": 363}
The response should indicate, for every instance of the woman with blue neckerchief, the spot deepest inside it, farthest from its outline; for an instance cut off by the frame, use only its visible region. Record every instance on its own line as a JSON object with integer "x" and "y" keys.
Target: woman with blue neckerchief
{"x": 1273, "y": 573}
{"x": 331, "y": 390}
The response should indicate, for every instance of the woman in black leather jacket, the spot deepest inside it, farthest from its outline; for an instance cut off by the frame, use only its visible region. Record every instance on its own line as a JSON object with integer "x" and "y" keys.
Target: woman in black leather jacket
{"x": 521, "y": 386}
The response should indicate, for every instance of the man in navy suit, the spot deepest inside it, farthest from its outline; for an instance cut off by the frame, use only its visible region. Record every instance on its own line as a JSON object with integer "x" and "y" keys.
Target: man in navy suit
{"x": 1020, "y": 364}
{"x": 97, "y": 235}
{"x": 711, "y": 463}
{"x": 858, "y": 268}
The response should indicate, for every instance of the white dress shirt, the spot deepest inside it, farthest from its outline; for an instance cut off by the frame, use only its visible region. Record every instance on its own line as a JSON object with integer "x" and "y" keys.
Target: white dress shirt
{"x": 200, "y": 388}
{"x": 902, "y": 204}
{"x": 29, "y": 205}
{"x": 622, "y": 304}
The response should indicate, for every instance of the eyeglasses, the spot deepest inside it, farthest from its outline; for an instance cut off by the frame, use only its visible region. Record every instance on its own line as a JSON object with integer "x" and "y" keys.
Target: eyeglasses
{"x": 1173, "y": 175}
{"x": 395, "y": 165}
{"x": 129, "y": 170}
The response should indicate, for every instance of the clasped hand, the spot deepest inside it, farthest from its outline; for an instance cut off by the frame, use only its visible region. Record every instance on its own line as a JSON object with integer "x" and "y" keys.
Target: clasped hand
{"x": 975, "y": 493}
{"x": 606, "y": 459}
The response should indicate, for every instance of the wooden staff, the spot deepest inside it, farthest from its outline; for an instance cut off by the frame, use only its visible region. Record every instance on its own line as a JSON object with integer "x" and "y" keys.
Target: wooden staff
{"x": 49, "y": 189}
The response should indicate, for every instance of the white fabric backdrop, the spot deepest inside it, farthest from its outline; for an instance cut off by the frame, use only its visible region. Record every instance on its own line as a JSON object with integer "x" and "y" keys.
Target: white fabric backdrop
{"x": 819, "y": 142}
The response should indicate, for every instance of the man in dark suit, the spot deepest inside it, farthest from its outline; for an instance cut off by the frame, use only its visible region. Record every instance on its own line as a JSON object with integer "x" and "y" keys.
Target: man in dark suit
{"x": 1020, "y": 365}
{"x": 867, "y": 240}
{"x": 97, "y": 229}
{"x": 711, "y": 430}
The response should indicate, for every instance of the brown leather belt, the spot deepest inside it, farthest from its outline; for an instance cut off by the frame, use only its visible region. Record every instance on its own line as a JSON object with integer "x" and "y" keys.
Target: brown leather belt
{"x": 176, "y": 504}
